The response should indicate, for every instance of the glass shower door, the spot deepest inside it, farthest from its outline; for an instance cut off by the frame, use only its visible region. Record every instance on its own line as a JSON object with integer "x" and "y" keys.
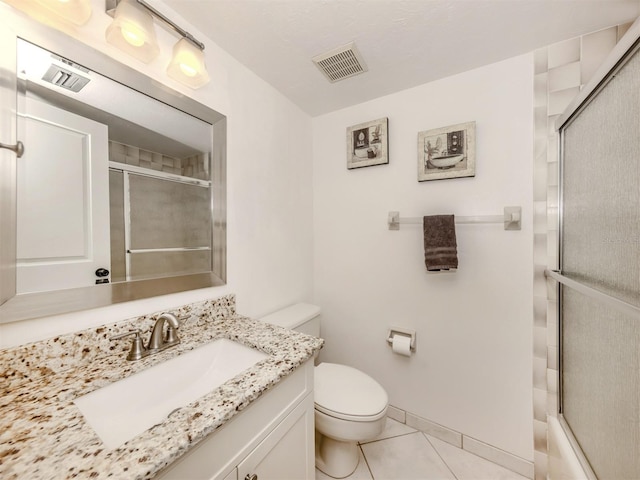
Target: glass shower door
{"x": 170, "y": 227}
{"x": 160, "y": 227}
{"x": 600, "y": 249}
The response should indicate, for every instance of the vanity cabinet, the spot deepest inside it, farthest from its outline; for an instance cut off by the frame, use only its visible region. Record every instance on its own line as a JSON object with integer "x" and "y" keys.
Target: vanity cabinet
{"x": 282, "y": 454}
{"x": 272, "y": 439}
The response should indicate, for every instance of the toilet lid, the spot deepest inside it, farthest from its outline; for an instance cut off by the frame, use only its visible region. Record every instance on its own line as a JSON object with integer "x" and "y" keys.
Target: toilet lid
{"x": 347, "y": 393}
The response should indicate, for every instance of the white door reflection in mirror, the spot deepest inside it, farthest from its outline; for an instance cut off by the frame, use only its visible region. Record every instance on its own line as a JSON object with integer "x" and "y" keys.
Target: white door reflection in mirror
{"x": 63, "y": 199}
{"x": 7, "y": 164}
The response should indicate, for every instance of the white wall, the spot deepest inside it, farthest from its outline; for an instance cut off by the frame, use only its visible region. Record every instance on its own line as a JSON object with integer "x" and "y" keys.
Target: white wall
{"x": 269, "y": 186}
{"x": 472, "y": 368}
{"x": 472, "y": 371}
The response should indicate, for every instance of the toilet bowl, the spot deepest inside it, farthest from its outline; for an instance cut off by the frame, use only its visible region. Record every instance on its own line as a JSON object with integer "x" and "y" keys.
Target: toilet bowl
{"x": 350, "y": 406}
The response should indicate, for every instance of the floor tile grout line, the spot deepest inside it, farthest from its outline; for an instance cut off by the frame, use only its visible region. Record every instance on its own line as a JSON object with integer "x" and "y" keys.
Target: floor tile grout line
{"x": 430, "y": 443}
{"x": 366, "y": 462}
{"x": 389, "y": 438}
{"x": 438, "y": 453}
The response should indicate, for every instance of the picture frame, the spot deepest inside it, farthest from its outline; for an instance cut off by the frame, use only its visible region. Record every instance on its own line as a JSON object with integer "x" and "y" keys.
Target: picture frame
{"x": 368, "y": 144}
{"x": 447, "y": 152}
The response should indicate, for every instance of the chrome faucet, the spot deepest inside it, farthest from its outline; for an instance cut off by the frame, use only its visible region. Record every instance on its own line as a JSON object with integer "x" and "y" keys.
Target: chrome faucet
{"x": 158, "y": 341}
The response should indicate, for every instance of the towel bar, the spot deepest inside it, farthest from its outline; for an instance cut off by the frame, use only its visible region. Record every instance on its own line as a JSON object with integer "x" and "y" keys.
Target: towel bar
{"x": 512, "y": 219}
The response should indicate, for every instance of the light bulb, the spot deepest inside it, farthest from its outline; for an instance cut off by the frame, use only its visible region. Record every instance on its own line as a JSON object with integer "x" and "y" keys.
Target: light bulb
{"x": 188, "y": 62}
{"x": 188, "y": 70}
{"x": 132, "y": 36}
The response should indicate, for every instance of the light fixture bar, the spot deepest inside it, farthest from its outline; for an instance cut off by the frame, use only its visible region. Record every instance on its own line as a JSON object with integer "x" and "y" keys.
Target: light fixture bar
{"x": 111, "y": 8}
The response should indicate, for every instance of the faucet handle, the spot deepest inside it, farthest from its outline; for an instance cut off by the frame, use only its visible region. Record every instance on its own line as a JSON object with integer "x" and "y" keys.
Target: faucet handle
{"x": 125, "y": 334}
{"x": 172, "y": 335}
{"x": 137, "y": 347}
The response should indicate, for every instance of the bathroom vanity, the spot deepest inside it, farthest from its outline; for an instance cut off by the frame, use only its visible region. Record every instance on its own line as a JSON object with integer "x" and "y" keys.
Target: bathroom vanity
{"x": 272, "y": 438}
{"x": 260, "y": 422}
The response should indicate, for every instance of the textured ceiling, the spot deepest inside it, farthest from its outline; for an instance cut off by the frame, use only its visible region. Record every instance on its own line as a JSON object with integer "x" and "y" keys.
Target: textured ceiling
{"x": 404, "y": 42}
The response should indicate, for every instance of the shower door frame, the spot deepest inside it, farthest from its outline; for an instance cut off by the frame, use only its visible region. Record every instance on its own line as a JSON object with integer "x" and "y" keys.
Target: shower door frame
{"x": 127, "y": 171}
{"x": 624, "y": 50}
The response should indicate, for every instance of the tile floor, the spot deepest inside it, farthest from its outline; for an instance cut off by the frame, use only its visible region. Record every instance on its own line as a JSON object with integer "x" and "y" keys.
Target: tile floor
{"x": 403, "y": 453}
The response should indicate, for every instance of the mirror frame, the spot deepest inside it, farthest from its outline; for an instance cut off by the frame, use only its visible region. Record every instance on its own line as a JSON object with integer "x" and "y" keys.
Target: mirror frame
{"x": 41, "y": 304}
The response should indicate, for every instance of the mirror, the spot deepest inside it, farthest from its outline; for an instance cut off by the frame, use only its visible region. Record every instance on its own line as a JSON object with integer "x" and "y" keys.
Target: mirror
{"x": 121, "y": 191}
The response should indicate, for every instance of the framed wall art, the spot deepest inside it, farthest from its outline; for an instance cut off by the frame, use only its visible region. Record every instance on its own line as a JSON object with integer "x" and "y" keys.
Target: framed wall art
{"x": 447, "y": 152}
{"x": 368, "y": 144}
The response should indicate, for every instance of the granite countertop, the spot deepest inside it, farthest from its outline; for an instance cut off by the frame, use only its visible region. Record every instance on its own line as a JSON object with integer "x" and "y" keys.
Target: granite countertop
{"x": 43, "y": 435}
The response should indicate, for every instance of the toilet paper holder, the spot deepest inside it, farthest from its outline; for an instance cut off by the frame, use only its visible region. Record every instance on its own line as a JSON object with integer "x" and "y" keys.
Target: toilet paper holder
{"x": 405, "y": 332}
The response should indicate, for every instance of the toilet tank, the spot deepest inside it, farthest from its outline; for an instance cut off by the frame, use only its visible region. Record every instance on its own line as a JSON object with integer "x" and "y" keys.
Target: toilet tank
{"x": 301, "y": 317}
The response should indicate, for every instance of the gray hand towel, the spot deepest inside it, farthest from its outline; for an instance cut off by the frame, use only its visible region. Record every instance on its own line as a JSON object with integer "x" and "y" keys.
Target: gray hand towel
{"x": 440, "y": 252}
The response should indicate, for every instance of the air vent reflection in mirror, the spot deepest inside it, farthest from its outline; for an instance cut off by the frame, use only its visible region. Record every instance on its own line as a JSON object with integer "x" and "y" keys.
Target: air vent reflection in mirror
{"x": 65, "y": 78}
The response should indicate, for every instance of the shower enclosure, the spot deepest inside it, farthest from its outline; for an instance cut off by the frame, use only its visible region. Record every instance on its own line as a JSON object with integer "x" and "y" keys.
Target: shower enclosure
{"x": 599, "y": 278}
{"x": 160, "y": 224}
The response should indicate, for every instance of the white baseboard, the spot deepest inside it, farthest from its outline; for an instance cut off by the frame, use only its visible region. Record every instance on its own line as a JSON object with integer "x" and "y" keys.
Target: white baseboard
{"x": 460, "y": 440}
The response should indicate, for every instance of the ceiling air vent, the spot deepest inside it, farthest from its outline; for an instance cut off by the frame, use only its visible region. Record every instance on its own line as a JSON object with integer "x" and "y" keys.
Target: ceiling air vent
{"x": 65, "y": 78}
{"x": 340, "y": 63}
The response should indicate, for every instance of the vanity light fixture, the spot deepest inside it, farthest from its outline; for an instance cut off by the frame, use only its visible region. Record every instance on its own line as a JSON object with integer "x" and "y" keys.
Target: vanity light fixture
{"x": 132, "y": 31}
{"x": 75, "y": 11}
{"x": 187, "y": 65}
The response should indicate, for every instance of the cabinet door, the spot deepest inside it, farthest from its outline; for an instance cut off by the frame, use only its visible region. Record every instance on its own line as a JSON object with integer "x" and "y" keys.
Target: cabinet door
{"x": 233, "y": 475}
{"x": 288, "y": 452}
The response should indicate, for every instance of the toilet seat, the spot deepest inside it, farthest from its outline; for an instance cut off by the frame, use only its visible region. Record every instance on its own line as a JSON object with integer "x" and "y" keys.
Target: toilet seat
{"x": 347, "y": 393}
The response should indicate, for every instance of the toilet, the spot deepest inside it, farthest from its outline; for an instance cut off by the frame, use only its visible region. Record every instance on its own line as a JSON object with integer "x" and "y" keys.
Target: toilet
{"x": 350, "y": 406}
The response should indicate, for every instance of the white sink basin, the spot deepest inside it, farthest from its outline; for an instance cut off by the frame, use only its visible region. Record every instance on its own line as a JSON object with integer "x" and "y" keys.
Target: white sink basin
{"x": 124, "y": 409}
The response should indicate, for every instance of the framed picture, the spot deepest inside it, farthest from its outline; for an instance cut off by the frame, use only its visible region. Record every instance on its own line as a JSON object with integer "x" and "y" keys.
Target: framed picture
{"x": 368, "y": 144}
{"x": 447, "y": 152}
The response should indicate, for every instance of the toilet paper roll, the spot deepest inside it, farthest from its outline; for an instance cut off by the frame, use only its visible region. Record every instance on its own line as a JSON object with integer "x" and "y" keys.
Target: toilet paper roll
{"x": 401, "y": 345}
